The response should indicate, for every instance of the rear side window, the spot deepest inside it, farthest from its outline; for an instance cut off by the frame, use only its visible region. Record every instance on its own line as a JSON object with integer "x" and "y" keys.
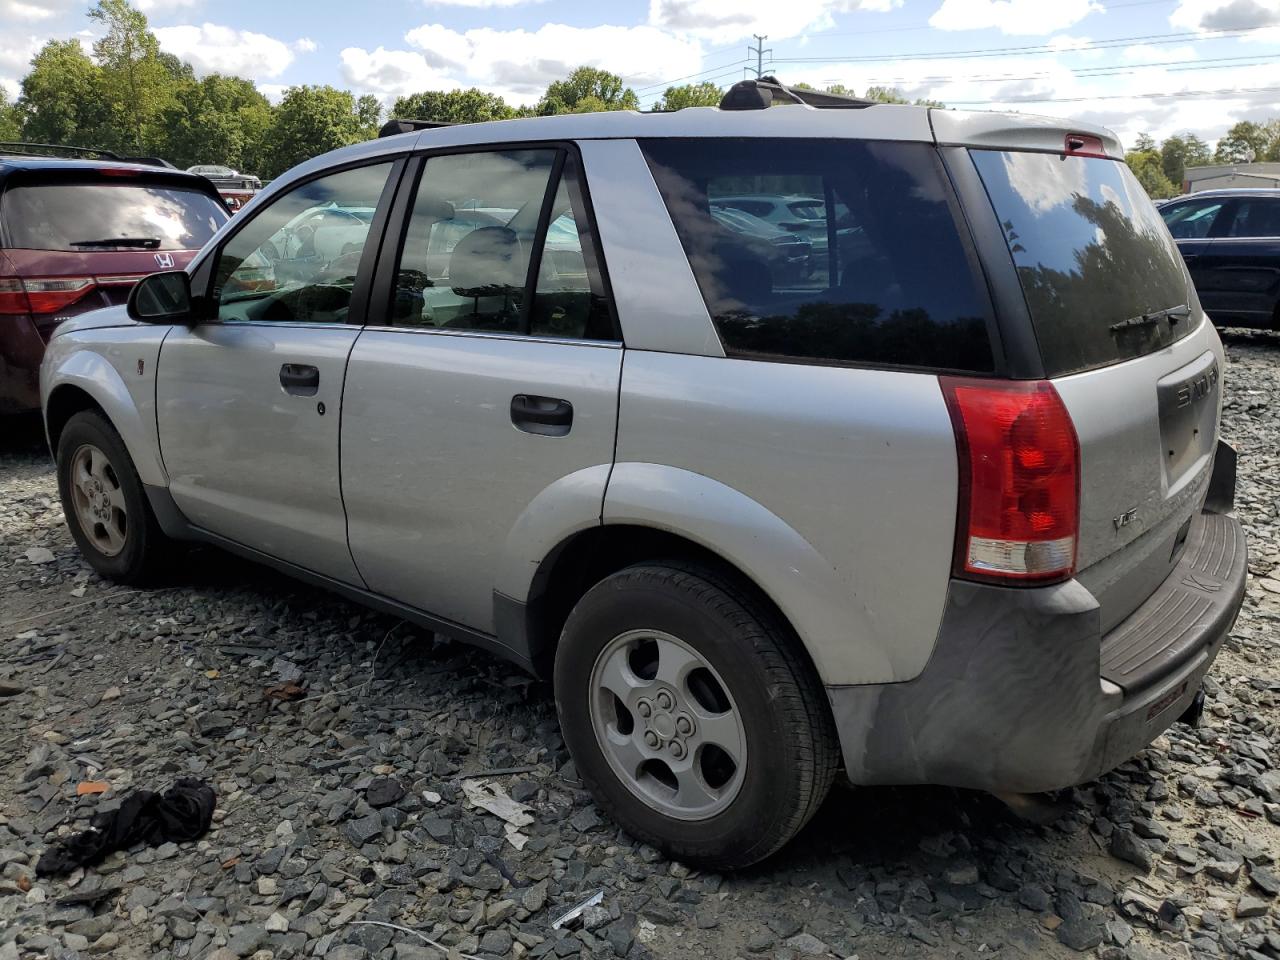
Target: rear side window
{"x": 827, "y": 251}
{"x": 1098, "y": 267}
{"x": 109, "y": 216}
{"x": 1256, "y": 217}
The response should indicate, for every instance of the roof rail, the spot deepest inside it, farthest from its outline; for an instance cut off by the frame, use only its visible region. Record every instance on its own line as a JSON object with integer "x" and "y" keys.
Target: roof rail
{"x": 41, "y": 150}
{"x": 766, "y": 91}
{"x": 393, "y": 127}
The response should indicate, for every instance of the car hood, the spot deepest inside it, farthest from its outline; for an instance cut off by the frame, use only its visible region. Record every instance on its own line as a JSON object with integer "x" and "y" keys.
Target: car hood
{"x": 117, "y": 316}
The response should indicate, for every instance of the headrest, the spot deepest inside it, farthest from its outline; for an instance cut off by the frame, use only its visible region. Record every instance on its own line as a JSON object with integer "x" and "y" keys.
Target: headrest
{"x": 487, "y": 262}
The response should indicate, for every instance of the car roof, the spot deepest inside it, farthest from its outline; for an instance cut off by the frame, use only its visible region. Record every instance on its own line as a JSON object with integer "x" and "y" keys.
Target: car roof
{"x": 1228, "y": 193}
{"x": 899, "y": 122}
{"x": 13, "y": 163}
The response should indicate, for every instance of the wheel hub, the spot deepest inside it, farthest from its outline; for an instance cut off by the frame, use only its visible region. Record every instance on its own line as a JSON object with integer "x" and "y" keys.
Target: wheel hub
{"x": 671, "y": 732}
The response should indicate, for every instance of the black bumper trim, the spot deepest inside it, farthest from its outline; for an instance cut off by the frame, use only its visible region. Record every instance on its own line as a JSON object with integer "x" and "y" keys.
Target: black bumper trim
{"x": 1013, "y": 697}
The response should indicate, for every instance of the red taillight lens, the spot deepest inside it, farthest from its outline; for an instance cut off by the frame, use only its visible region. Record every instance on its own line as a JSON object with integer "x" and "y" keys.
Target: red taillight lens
{"x": 1019, "y": 480}
{"x": 51, "y": 294}
{"x": 13, "y": 296}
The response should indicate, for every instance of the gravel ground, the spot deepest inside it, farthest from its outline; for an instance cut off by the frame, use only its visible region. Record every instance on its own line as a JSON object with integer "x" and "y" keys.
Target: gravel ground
{"x": 352, "y": 804}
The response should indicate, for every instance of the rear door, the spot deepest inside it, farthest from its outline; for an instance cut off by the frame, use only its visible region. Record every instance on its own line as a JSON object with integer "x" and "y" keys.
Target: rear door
{"x": 488, "y": 376}
{"x": 248, "y": 401}
{"x": 1239, "y": 272}
{"x": 1120, "y": 333}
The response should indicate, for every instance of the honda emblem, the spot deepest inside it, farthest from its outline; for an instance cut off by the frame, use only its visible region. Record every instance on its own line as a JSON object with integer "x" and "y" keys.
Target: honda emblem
{"x": 164, "y": 261}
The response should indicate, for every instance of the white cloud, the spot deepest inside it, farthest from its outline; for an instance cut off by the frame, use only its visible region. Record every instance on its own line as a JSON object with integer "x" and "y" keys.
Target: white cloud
{"x": 305, "y": 45}
{"x": 16, "y": 52}
{"x": 722, "y": 21}
{"x": 32, "y": 12}
{"x": 1149, "y": 53}
{"x": 274, "y": 92}
{"x": 1012, "y": 16}
{"x": 211, "y": 48}
{"x": 390, "y": 73}
{"x": 518, "y": 64}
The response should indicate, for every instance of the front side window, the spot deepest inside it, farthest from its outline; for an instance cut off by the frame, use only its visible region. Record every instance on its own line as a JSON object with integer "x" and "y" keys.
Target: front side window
{"x": 1191, "y": 220}
{"x": 827, "y": 251}
{"x": 296, "y": 261}
{"x": 1257, "y": 217}
{"x": 470, "y": 246}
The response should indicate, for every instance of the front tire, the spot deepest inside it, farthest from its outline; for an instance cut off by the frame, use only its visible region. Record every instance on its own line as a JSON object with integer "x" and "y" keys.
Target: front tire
{"x": 106, "y": 508}
{"x": 692, "y": 715}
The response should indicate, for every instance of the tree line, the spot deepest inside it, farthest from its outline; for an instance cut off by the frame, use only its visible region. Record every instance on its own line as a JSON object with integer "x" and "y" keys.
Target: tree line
{"x": 1161, "y": 167}
{"x": 130, "y": 97}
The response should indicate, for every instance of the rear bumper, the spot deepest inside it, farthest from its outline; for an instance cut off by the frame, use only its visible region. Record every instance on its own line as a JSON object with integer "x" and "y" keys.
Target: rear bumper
{"x": 1015, "y": 696}
{"x": 21, "y": 350}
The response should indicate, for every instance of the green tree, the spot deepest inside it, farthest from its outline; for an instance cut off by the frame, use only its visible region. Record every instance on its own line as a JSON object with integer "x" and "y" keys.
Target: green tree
{"x": 704, "y": 94}
{"x": 62, "y": 98}
{"x": 219, "y": 119}
{"x": 1145, "y": 143}
{"x": 1182, "y": 151}
{"x": 311, "y": 120}
{"x": 885, "y": 95}
{"x": 138, "y": 81}
{"x": 453, "y": 106}
{"x": 1148, "y": 170}
{"x": 587, "y": 90}
{"x": 1245, "y": 142}
{"x": 10, "y": 118}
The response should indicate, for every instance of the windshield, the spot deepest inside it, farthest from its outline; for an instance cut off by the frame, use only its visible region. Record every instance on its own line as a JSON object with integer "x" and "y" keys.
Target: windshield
{"x": 87, "y": 216}
{"x": 1099, "y": 270}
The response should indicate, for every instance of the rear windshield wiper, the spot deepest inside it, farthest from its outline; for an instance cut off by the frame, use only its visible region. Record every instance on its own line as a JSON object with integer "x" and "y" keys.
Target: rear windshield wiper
{"x": 146, "y": 243}
{"x": 1172, "y": 314}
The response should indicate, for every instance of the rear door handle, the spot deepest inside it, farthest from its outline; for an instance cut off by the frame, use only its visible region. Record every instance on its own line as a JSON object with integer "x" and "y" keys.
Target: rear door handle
{"x": 300, "y": 379}
{"x": 544, "y": 416}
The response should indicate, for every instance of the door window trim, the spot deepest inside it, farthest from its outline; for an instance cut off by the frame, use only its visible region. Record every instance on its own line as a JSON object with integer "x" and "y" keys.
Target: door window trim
{"x": 382, "y": 286}
{"x": 202, "y": 274}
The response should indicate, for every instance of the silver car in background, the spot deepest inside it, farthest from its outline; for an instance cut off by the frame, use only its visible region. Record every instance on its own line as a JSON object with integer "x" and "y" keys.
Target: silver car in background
{"x": 950, "y": 507}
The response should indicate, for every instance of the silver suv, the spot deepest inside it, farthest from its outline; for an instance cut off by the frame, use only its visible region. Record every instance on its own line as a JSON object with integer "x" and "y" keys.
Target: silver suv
{"x": 948, "y": 507}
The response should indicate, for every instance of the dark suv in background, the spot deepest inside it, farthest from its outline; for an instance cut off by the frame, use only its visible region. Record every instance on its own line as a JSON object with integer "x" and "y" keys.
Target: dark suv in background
{"x": 76, "y": 234}
{"x": 1230, "y": 240}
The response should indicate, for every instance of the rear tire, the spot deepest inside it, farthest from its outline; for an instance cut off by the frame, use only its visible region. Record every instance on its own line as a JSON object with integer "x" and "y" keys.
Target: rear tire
{"x": 105, "y": 506}
{"x": 724, "y": 746}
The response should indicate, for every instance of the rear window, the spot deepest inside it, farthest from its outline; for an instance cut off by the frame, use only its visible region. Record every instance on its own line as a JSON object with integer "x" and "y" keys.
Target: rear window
{"x": 1095, "y": 259}
{"x": 865, "y": 265}
{"x": 89, "y": 216}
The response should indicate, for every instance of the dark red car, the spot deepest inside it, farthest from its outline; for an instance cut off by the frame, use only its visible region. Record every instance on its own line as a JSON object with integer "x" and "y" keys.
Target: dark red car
{"x": 76, "y": 235}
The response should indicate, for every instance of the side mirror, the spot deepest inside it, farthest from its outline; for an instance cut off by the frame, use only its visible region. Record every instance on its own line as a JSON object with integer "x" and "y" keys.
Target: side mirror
{"x": 162, "y": 298}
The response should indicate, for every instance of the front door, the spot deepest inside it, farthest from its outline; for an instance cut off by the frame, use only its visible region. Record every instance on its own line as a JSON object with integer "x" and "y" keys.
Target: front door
{"x": 248, "y": 402}
{"x": 488, "y": 376}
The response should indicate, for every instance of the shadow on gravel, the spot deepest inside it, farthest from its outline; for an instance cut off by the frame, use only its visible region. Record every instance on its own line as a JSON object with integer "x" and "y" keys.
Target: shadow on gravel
{"x": 872, "y": 826}
{"x": 1241, "y": 336}
{"x": 22, "y": 434}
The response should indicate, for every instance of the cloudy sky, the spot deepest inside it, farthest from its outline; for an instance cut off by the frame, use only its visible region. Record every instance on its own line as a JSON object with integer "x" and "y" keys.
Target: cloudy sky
{"x": 1163, "y": 66}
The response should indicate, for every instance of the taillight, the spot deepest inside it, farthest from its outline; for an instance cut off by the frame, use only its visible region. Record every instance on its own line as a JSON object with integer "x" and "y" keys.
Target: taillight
{"x": 1019, "y": 515}
{"x": 45, "y": 295}
{"x": 13, "y": 296}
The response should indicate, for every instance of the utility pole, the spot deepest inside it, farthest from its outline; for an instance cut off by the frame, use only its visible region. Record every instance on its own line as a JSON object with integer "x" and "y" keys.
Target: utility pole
{"x": 759, "y": 51}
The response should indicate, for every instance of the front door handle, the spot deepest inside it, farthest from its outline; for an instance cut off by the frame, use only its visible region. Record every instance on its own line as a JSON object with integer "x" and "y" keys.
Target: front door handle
{"x": 300, "y": 379}
{"x": 544, "y": 416}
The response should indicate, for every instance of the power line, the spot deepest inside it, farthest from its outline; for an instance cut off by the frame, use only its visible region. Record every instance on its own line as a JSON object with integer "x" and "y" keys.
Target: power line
{"x": 1193, "y": 36}
{"x": 1229, "y": 93}
{"x": 741, "y": 61}
{"x": 1114, "y": 70}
